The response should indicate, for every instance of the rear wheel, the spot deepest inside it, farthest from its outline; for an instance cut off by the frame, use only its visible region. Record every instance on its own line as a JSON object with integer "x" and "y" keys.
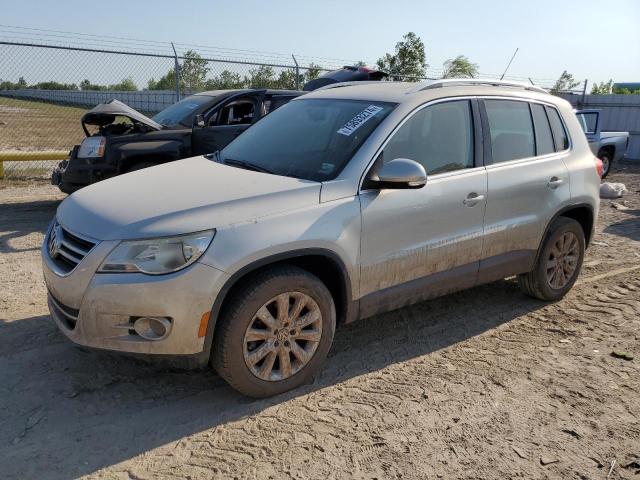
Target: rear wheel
{"x": 275, "y": 333}
{"x": 559, "y": 262}
{"x": 606, "y": 159}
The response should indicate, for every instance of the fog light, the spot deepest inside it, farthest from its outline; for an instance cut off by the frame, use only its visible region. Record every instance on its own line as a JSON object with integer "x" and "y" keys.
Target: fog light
{"x": 152, "y": 328}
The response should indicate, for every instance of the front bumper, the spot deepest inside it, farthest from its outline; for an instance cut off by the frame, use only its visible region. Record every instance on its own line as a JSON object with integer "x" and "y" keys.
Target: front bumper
{"x": 75, "y": 173}
{"x": 97, "y": 310}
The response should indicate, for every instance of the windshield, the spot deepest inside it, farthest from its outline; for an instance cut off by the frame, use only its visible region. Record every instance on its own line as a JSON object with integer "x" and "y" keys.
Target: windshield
{"x": 310, "y": 139}
{"x": 181, "y": 111}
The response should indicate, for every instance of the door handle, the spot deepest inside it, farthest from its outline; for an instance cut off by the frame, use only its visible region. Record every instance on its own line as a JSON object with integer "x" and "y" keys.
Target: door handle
{"x": 472, "y": 199}
{"x": 554, "y": 182}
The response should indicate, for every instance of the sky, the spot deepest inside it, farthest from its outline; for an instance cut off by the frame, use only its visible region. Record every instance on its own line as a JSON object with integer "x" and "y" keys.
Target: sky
{"x": 594, "y": 40}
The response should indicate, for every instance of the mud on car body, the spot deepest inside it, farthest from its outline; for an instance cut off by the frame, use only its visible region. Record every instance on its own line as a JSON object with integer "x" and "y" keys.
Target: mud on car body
{"x": 120, "y": 139}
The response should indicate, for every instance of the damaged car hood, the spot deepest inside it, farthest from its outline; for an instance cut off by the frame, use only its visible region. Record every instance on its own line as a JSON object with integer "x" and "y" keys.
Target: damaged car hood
{"x": 180, "y": 197}
{"x": 104, "y": 114}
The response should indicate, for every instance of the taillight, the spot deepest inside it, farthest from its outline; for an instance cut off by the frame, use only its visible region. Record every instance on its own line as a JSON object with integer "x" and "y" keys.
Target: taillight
{"x": 599, "y": 167}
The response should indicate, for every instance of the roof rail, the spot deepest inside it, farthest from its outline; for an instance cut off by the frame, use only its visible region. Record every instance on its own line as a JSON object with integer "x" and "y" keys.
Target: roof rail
{"x": 456, "y": 82}
{"x": 347, "y": 84}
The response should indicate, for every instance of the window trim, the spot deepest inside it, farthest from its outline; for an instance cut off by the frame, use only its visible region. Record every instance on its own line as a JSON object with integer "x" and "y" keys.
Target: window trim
{"x": 487, "y": 133}
{"x": 564, "y": 127}
{"x": 535, "y": 129}
{"x": 476, "y": 131}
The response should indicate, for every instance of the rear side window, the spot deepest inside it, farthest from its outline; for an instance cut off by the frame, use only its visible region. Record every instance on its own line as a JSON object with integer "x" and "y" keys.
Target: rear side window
{"x": 440, "y": 137}
{"x": 544, "y": 138}
{"x": 511, "y": 130}
{"x": 559, "y": 133}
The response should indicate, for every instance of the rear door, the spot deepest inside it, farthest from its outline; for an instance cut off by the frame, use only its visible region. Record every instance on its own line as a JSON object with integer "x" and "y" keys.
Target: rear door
{"x": 528, "y": 182}
{"x": 226, "y": 121}
{"x": 589, "y": 120}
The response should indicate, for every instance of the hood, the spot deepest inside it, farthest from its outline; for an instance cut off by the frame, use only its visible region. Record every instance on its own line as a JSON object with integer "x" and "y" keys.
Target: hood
{"x": 105, "y": 113}
{"x": 181, "y": 197}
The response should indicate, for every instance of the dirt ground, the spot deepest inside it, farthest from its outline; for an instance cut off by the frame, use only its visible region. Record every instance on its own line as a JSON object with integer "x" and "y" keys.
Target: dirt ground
{"x": 485, "y": 383}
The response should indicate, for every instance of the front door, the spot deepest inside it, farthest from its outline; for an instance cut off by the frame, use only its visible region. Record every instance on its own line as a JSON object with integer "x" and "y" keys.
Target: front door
{"x": 589, "y": 120}
{"x": 226, "y": 121}
{"x": 418, "y": 244}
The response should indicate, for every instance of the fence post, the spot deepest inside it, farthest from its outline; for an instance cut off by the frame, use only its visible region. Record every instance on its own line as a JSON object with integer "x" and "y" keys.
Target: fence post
{"x": 297, "y": 72}
{"x": 584, "y": 92}
{"x": 177, "y": 72}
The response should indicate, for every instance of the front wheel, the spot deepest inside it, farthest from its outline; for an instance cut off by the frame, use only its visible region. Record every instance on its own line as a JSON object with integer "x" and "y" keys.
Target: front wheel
{"x": 559, "y": 262}
{"x": 275, "y": 333}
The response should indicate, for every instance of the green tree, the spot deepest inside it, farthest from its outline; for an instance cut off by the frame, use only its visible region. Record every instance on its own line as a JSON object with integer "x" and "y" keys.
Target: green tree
{"x": 227, "y": 80}
{"x": 126, "y": 85}
{"x": 166, "y": 82}
{"x": 22, "y": 83}
{"x": 87, "y": 85}
{"x": 312, "y": 72}
{"x": 460, "y": 67}
{"x": 261, "y": 77}
{"x": 193, "y": 72}
{"x": 409, "y": 59}
{"x": 604, "y": 88}
{"x": 55, "y": 86}
{"x": 564, "y": 83}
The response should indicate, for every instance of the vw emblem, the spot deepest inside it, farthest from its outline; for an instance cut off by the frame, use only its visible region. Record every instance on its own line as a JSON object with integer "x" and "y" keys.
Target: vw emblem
{"x": 55, "y": 241}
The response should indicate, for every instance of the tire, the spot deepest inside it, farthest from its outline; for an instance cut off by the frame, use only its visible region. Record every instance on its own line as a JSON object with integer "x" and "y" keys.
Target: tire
{"x": 141, "y": 165}
{"x": 536, "y": 283}
{"x": 607, "y": 160}
{"x": 234, "y": 351}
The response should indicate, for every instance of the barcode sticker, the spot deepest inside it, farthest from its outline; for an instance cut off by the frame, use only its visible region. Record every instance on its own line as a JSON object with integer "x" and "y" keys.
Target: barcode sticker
{"x": 359, "y": 120}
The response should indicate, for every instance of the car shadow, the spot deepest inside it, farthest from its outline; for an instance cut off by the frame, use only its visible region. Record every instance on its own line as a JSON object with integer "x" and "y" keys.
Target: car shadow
{"x": 67, "y": 412}
{"x": 20, "y": 219}
{"x": 629, "y": 228}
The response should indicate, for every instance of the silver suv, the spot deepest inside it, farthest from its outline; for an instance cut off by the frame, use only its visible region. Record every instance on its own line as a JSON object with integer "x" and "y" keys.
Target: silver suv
{"x": 344, "y": 203}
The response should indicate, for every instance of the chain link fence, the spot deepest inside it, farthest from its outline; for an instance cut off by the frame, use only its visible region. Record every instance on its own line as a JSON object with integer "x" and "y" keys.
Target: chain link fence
{"x": 45, "y": 88}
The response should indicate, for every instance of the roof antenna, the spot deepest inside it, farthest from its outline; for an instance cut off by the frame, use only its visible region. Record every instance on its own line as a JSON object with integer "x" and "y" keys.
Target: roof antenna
{"x": 509, "y": 64}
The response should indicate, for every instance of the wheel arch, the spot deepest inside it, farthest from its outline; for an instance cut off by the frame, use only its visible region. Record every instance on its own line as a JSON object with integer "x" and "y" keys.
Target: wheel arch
{"x": 323, "y": 263}
{"x": 580, "y": 212}
{"x": 609, "y": 148}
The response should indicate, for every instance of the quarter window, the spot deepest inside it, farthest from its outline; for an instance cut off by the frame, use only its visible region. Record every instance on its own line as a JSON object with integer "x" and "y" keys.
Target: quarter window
{"x": 440, "y": 137}
{"x": 559, "y": 133}
{"x": 544, "y": 138}
{"x": 511, "y": 130}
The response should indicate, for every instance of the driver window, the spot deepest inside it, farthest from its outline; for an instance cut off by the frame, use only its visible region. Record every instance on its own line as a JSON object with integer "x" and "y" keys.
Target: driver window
{"x": 238, "y": 112}
{"x": 440, "y": 137}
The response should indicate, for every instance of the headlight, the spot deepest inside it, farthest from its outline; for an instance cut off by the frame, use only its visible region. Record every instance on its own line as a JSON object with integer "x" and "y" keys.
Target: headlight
{"x": 157, "y": 256}
{"x": 92, "y": 147}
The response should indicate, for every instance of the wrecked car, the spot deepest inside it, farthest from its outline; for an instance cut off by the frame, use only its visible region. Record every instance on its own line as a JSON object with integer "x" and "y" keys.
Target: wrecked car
{"x": 120, "y": 139}
{"x": 123, "y": 140}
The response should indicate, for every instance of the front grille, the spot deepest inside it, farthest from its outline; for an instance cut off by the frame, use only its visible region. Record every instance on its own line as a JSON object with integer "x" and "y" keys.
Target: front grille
{"x": 67, "y": 315}
{"x": 65, "y": 249}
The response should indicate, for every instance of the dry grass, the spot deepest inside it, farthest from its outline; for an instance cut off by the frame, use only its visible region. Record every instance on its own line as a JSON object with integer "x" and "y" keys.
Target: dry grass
{"x": 32, "y": 126}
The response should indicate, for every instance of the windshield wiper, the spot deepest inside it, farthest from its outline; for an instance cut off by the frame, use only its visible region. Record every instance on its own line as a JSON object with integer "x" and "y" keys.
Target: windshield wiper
{"x": 246, "y": 165}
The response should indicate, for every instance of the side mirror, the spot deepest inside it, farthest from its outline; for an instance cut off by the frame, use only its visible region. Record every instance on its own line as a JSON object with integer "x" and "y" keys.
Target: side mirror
{"x": 400, "y": 173}
{"x": 199, "y": 121}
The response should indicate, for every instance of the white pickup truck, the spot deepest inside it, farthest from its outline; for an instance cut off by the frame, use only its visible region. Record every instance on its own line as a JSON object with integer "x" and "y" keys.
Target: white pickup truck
{"x": 607, "y": 146}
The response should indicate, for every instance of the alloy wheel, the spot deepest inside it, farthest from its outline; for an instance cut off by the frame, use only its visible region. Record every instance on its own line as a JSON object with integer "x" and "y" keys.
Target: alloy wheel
{"x": 563, "y": 260}
{"x": 282, "y": 336}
